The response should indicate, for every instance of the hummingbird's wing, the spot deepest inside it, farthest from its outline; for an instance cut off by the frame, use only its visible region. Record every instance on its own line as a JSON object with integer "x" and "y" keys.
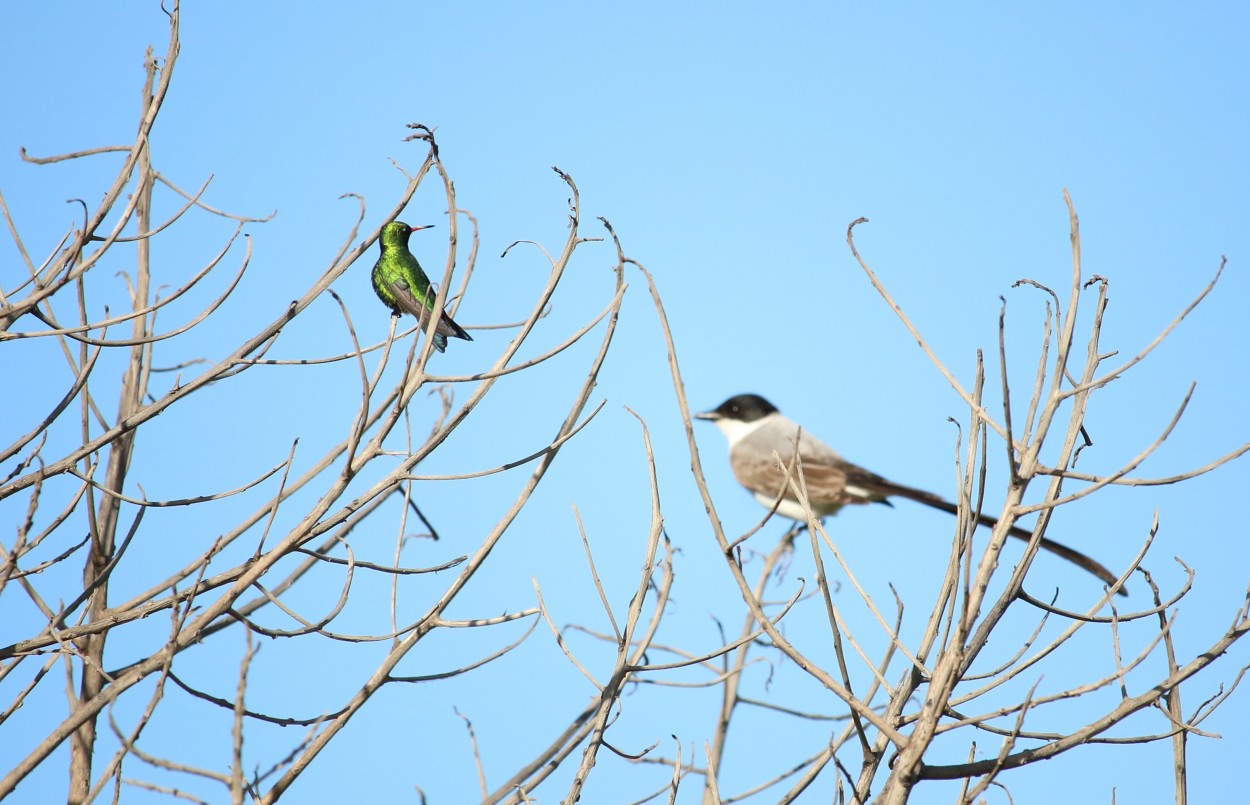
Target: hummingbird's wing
{"x": 408, "y": 302}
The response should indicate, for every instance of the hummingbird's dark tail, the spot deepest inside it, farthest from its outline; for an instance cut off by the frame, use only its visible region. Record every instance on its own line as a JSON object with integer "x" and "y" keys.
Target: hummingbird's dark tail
{"x": 447, "y": 327}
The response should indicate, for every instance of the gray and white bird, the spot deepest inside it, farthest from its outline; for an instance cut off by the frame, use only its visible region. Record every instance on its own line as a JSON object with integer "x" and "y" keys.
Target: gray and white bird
{"x": 756, "y": 430}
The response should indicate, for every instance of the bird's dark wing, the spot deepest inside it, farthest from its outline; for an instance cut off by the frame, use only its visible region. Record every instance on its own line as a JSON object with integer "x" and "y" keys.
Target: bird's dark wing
{"x": 411, "y": 304}
{"x": 408, "y": 303}
{"x": 831, "y": 483}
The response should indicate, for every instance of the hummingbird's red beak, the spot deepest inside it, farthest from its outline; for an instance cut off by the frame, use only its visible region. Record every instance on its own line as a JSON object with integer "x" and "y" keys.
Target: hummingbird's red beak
{"x": 425, "y": 226}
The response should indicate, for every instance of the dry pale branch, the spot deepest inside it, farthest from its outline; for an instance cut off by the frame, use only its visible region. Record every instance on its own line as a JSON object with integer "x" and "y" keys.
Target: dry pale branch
{"x": 306, "y": 515}
{"x": 293, "y": 563}
{"x": 928, "y": 703}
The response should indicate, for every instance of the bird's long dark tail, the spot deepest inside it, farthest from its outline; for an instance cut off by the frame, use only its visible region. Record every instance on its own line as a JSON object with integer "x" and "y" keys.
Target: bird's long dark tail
{"x": 1058, "y": 549}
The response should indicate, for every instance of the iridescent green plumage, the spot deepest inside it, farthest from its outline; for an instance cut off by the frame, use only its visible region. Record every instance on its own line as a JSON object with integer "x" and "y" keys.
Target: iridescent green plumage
{"x": 403, "y": 287}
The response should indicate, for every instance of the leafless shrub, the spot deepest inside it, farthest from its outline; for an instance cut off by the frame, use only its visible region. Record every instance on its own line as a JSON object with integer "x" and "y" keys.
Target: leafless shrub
{"x": 289, "y": 568}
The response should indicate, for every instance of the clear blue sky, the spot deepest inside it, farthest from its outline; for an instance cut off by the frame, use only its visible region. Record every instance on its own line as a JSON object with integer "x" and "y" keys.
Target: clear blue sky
{"x": 729, "y": 145}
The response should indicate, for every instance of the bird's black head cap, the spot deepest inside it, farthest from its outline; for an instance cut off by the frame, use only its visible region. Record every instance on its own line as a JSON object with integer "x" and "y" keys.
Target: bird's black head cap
{"x": 742, "y": 407}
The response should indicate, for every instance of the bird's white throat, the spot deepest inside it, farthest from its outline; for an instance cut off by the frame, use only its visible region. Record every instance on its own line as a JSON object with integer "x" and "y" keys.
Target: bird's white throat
{"x": 736, "y": 430}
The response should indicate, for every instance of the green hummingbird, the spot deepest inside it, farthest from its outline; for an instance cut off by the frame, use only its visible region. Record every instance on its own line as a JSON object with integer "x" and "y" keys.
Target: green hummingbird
{"x": 403, "y": 287}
